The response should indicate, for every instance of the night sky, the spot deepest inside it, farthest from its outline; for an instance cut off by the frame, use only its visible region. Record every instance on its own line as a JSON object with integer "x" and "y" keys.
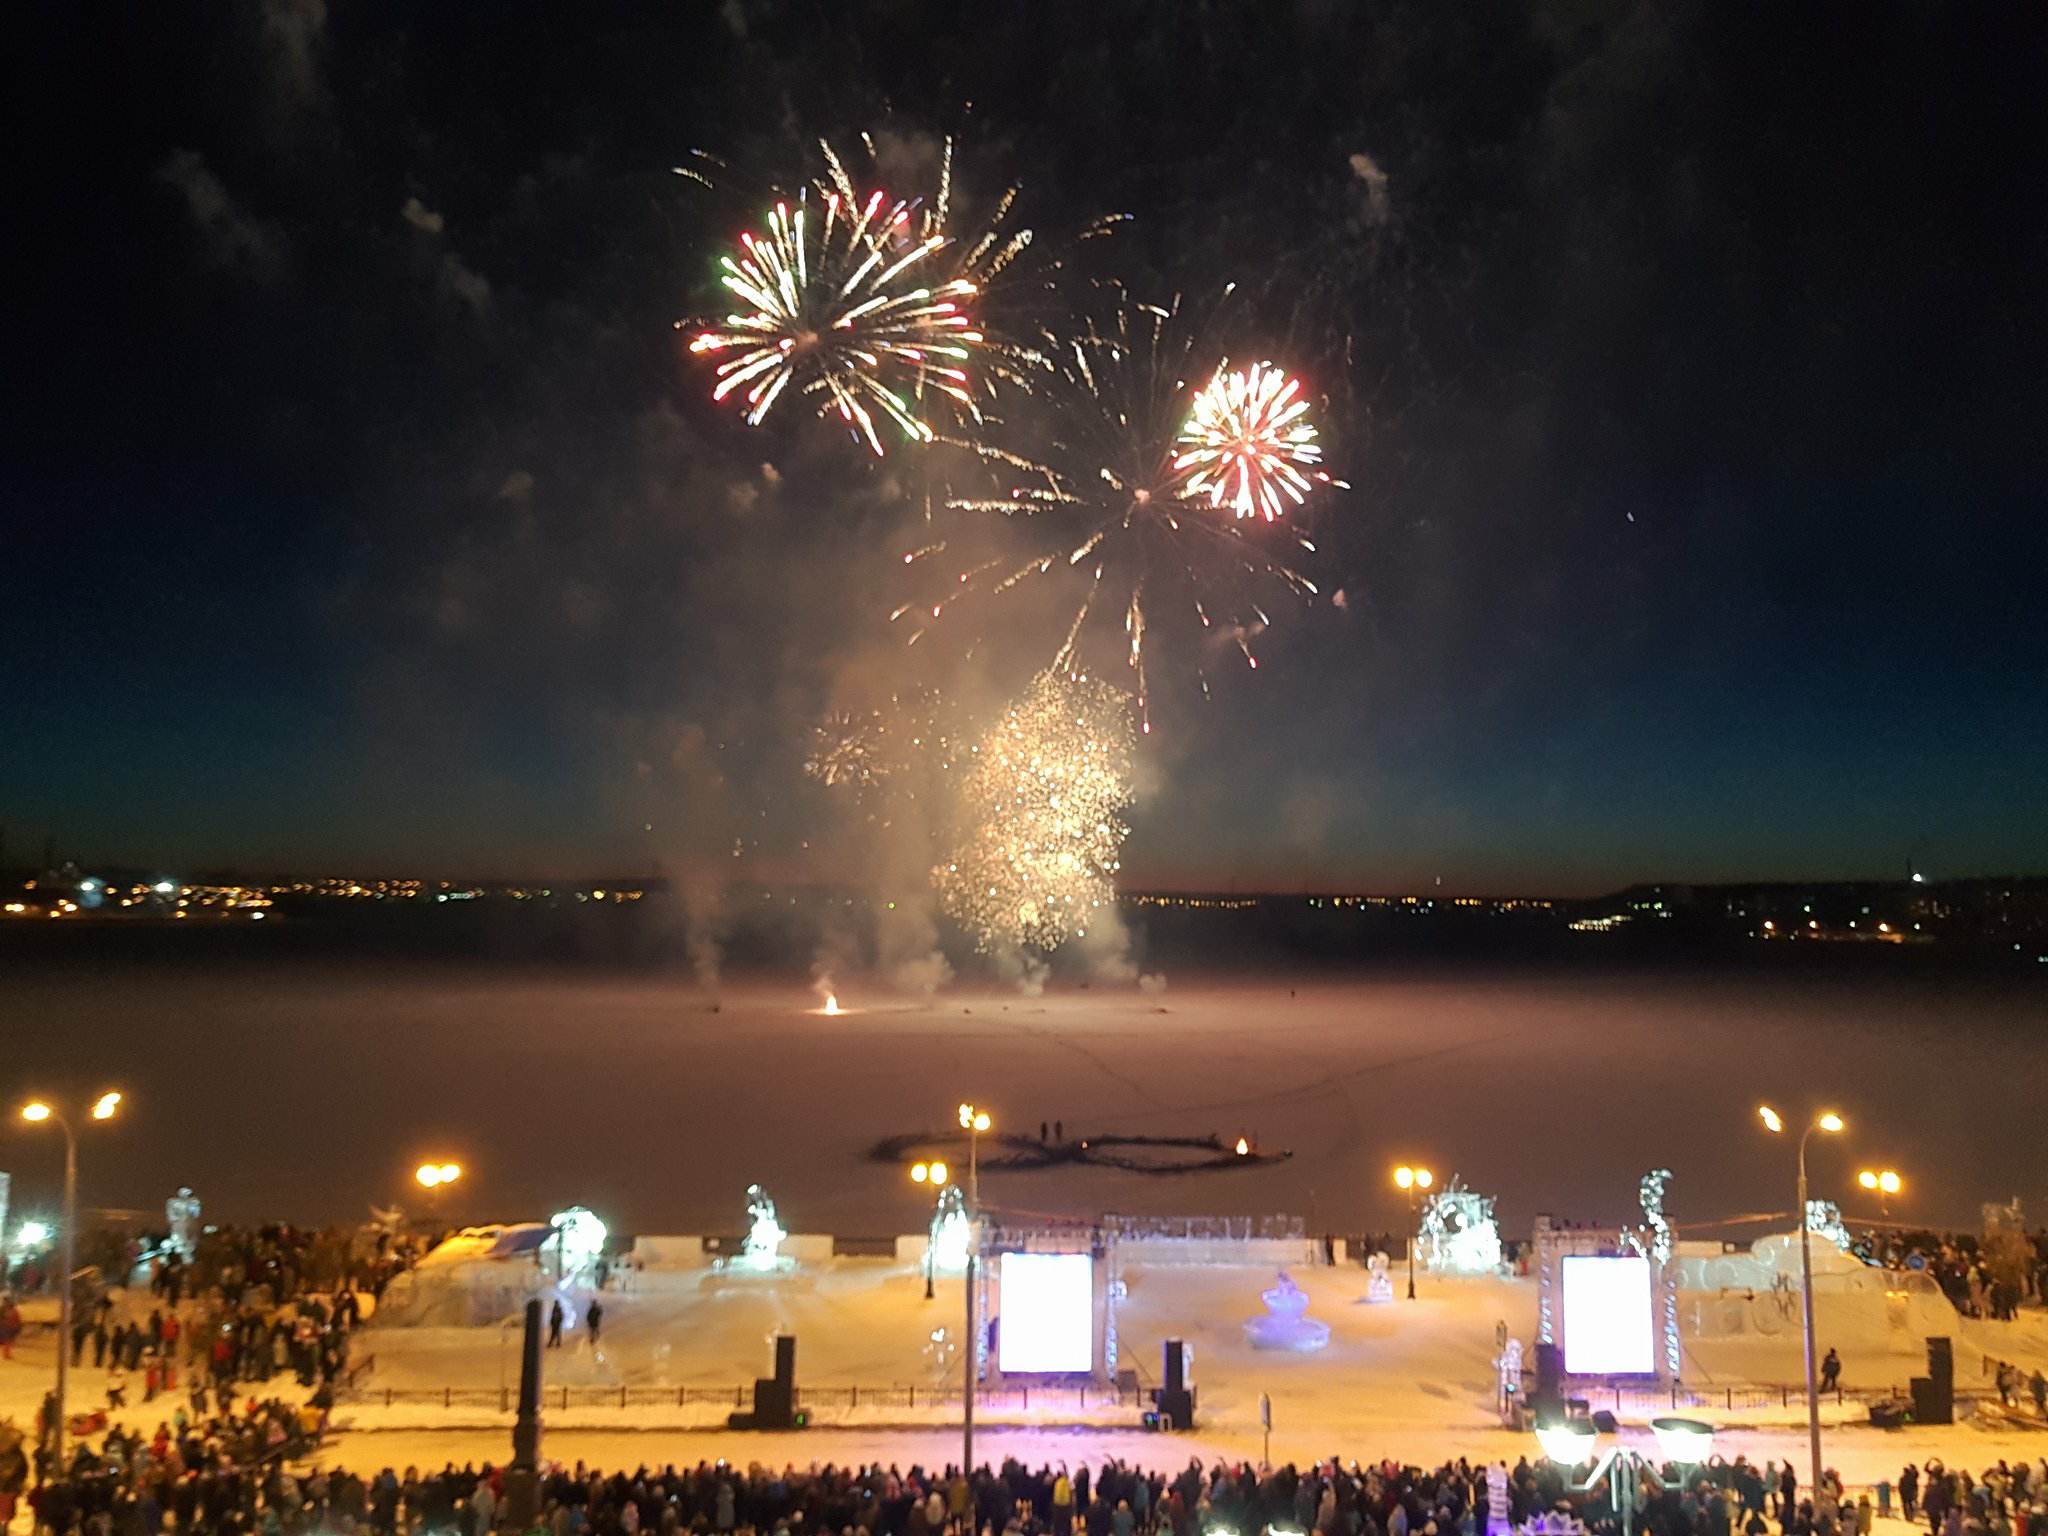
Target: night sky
{"x": 362, "y": 512}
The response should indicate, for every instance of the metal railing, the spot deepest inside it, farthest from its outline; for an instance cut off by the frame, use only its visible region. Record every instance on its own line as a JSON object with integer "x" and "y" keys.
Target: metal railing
{"x": 904, "y": 1396}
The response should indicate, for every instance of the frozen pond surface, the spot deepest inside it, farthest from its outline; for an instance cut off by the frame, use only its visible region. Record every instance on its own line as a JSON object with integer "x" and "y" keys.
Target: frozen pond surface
{"x": 312, "y": 1090}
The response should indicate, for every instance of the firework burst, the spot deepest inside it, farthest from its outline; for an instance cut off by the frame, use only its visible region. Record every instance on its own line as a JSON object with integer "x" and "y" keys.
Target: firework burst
{"x": 1248, "y": 443}
{"x": 1042, "y": 804}
{"x": 1119, "y": 523}
{"x": 842, "y": 300}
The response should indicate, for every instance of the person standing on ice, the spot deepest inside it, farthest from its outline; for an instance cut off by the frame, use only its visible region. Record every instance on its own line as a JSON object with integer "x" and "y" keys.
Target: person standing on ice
{"x": 594, "y": 1319}
{"x": 555, "y": 1324}
{"x": 1830, "y": 1371}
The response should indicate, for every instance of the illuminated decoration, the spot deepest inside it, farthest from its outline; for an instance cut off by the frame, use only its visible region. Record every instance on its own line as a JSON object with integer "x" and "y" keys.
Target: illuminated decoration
{"x": 1380, "y": 1285}
{"x": 1568, "y": 1444}
{"x": 764, "y": 1234}
{"x": 1043, "y": 805}
{"x": 1687, "y": 1441}
{"x": 31, "y": 1235}
{"x": 1089, "y": 482}
{"x": 1459, "y": 1234}
{"x": 951, "y": 1236}
{"x": 1285, "y": 1325}
{"x": 839, "y": 300}
{"x": 1824, "y": 1219}
{"x": 1047, "y": 1312}
{"x": 1246, "y": 440}
{"x": 1609, "y": 1321}
{"x": 577, "y": 1238}
{"x": 181, "y": 1217}
{"x": 1509, "y": 1392}
{"x": 1663, "y": 1248}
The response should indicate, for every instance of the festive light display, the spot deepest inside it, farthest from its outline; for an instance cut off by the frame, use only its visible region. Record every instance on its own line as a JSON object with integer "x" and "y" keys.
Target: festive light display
{"x": 1043, "y": 802}
{"x": 1459, "y": 1234}
{"x": 1246, "y": 442}
{"x": 578, "y": 1238}
{"x": 764, "y": 1232}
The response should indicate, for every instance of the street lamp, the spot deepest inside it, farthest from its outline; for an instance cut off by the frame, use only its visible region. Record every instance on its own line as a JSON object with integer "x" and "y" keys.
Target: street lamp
{"x": 1827, "y": 1120}
{"x": 1414, "y": 1181}
{"x": 437, "y": 1175}
{"x": 1570, "y": 1444}
{"x": 935, "y": 1174}
{"x": 1884, "y": 1183}
{"x": 37, "y": 1112}
{"x": 973, "y": 1121}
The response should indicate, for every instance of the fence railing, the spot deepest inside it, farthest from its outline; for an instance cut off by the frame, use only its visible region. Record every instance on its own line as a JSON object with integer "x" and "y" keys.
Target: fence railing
{"x": 505, "y": 1399}
{"x": 1673, "y": 1398}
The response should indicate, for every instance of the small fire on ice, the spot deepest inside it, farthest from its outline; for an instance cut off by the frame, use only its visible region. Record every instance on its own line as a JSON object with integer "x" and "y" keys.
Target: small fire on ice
{"x": 828, "y": 998}
{"x": 831, "y": 1006}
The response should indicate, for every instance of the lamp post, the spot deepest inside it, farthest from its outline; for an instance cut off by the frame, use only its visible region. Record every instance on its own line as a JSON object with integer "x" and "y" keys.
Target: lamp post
{"x": 1686, "y": 1442}
{"x": 36, "y": 1113}
{"x": 1884, "y": 1183}
{"x": 433, "y": 1178}
{"x": 935, "y": 1174}
{"x": 1413, "y": 1181}
{"x": 1827, "y": 1120}
{"x": 973, "y": 1121}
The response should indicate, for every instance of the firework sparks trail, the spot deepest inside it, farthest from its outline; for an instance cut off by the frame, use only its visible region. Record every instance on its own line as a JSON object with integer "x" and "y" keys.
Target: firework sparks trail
{"x": 840, "y": 300}
{"x": 1124, "y": 517}
{"x": 900, "y": 751}
{"x": 1246, "y": 441}
{"x": 867, "y": 305}
{"x": 1042, "y": 808}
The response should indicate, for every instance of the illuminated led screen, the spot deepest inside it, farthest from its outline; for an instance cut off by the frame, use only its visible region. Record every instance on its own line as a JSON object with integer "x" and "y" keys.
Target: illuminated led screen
{"x": 1047, "y": 1312}
{"x": 1609, "y": 1322}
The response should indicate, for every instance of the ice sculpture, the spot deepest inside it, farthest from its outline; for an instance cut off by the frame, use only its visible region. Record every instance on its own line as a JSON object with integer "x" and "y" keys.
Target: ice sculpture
{"x": 1459, "y": 1233}
{"x": 1284, "y": 1326}
{"x": 181, "y": 1216}
{"x": 764, "y": 1237}
{"x": 1381, "y": 1286}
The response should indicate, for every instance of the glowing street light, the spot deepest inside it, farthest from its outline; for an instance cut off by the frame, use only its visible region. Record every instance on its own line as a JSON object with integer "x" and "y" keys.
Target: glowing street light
{"x": 933, "y": 1173}
{"x": 974, "y": 1122}
{"x": 38, "y": 1112}
{"x": 1413, "y": 1181}
{"x": 1829, "y": 1121}
{"x": 1884, "y": 1183}
{"x": 437, "y": 1175}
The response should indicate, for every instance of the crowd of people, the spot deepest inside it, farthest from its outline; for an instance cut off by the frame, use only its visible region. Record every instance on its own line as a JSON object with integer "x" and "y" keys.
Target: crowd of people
{"x": 227, "y": 1476}
{"x": 1983, "y": 1277}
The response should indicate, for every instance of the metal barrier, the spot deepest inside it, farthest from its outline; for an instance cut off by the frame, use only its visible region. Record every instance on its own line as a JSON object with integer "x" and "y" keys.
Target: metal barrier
{"x": 900, "y": 1395}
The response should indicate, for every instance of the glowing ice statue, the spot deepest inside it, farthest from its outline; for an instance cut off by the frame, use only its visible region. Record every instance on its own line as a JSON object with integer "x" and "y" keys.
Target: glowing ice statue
{"x": 577, "y": 1239}
{"x": 1459, "y": 1234}
{"x": 950, "y": 1236}
{"x": 181, "y": 1218}
{"x": 1284, "y": 1326}
{"x": 1381, "y": 1286}
{"x": 765, "y": 1235}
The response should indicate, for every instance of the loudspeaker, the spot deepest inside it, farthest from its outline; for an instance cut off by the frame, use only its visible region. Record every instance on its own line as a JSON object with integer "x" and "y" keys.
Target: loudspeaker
{"x": 1941, "y": 1360}
{"x": 775, "y": 1396}
{"x": 1177, "y": 1408}
{"x": 1176, "y": 1371}
{"x": 1934, "y": 1402}
{"x": 1547, "y": 1401}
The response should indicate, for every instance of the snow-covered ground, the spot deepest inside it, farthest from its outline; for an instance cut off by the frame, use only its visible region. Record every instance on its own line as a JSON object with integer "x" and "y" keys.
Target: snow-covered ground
{"x": 1413, "y": 1380}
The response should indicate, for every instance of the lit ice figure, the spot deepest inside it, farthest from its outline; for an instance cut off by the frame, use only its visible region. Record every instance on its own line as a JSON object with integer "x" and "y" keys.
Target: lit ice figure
{"x": 181, "y": 1217}
{"x": 1459, "y": 1233}
{"x": 950, "y": 1236}
{"x": 764, "y": 1237}
{"x": 1381, "y": 1286}
{"x": 578, "y": 1240}
{"x": 1284, "y": 1326}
